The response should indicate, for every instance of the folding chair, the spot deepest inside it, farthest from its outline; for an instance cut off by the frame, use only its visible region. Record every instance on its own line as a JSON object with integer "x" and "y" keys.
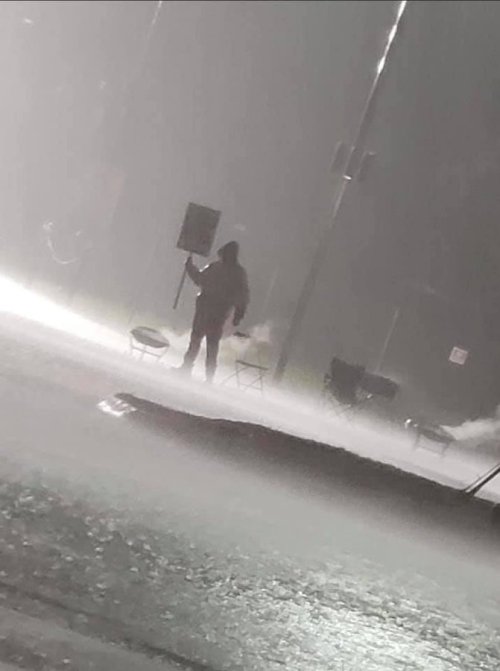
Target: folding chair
{"x": 144, "y": 341}
{"x": 341, "y": 386}
{"x": 248, "y": 375}
{"x": 434, "y": 433}
{"x": 348, "y": 388}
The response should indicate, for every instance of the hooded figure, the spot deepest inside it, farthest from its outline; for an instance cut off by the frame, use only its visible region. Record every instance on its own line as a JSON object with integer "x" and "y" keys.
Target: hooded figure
{"x": 223, "y": 289}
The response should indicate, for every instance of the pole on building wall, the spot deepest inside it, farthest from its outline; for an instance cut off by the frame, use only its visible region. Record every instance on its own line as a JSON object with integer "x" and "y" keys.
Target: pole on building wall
{"x": 349, "y": 163}
{"x": 387, "y": 340}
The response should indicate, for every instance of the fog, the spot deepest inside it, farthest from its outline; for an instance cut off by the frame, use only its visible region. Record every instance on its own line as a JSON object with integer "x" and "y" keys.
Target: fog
{"x": 208, "y": 525}
{"x": 117, "y": 115}
{"x": 123, "y": 122}
{"x": 42, "y": 323}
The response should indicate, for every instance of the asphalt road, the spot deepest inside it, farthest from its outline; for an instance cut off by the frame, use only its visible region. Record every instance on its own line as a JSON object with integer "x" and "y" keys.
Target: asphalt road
{"x": 122, "y": 546}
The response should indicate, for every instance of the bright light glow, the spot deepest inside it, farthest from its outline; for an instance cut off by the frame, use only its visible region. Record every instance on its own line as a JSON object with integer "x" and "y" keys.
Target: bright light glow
{"x": 391, "y": 36}
{"x": 115, "y": 407}
{"x": 17, "y": 300}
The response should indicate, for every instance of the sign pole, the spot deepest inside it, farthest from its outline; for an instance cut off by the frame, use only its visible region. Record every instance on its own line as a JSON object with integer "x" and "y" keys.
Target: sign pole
{"x": 196, "y": 236}
{"x": 181, "y": 284}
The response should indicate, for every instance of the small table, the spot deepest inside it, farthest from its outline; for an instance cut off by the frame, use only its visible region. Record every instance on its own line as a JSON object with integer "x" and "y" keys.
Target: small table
{"x": 146, "y": 340}
{"x": 248, "y": 375}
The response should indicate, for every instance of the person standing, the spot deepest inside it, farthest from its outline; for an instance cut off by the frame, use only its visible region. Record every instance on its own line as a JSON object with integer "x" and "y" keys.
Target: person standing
{"x": 223, "y": 290}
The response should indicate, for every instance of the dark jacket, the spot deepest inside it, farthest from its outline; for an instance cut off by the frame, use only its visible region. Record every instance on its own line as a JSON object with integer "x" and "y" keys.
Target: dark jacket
{"x": 223, "y": 286}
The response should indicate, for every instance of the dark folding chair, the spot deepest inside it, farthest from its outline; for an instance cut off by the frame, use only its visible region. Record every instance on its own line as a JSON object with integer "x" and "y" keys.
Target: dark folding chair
{"x": 348, "y": 388}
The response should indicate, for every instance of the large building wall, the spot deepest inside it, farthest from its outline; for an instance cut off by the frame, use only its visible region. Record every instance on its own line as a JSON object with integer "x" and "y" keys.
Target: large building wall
{"x": 421, "y": 233}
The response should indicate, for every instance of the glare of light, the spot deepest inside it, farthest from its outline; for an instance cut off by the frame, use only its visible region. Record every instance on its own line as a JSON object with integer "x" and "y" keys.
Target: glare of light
{"x": 159, "y": 5}
{"x": 391, "y": 36}
{"x": 115, "y": 407}
{"x": 21, "y": 302}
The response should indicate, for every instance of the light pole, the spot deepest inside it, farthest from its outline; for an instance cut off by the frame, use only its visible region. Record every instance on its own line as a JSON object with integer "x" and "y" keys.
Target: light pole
{"x": 349, "y": 166}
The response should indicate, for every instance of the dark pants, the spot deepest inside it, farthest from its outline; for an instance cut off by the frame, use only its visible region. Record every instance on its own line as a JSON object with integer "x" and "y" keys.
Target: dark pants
{"x": 208, "y": 323}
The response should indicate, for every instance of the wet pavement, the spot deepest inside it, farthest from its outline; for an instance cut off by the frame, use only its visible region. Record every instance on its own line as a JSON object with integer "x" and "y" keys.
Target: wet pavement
{"x": 123, "y": 535}
{"x": 175, "y": 599}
